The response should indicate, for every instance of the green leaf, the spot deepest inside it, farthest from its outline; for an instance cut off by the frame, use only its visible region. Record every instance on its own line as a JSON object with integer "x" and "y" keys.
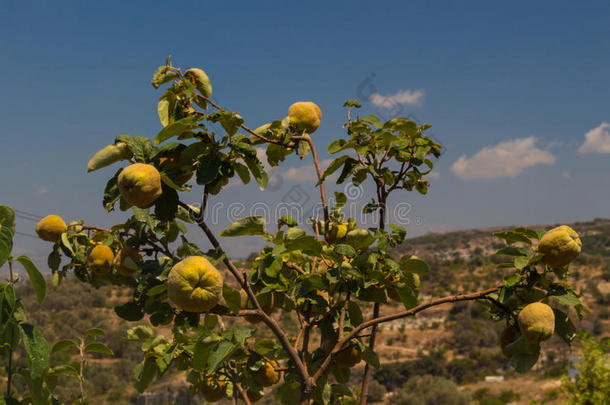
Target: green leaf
{"x": 163, "y": 74}
{"x": 264, "y": 346}
{"x": 166, "y": 206}
{"x": 564, "y": 296}
{"x": 208, "y": 169}
{"x": 108, "y": 155}
{"x": 63, "y": 369}
{"x": 37, "y": 350}
{"x": 111, "y": 192}
{"x": 177, "y": 128}
{"x": 407, "y": 296}
{"x": 165, "y": 107}
{"x": 371, "y": 358}
{"x": 258, "y": 172}
{"x": 139, "y": 333}
{"x": 345, "y": 250}
{"x": 230, "y": 121}
{"x": 63, "y": 345}
{"x": 512, "y": 236}
{"x": 94, "y": 332}
{"x": 254, "y": 225}
{"x": 412, "y": 264}
{"x": 564, "y": 326}
{"x": 512, "y": 279}
{"x": 287, "y": 220}
{"x": 219, "y": 354}
{"x": 340, "y": 198}
{"x": 523, "y": 354}
{"x": 129, "y": 311}
{"x": 35, "y": 276}
{"x": 141, "y": 147}
{"x": 242, "y": 172}
{"x": 232, "y": 298}
{"x": 241, "y": 333}
{"x": 355, "y": 313}
{"x": 144, "y": 373}
{"x": 373, "y": 120}
{"x": 7, "y": 230}
{"x": 289, "y": 393}
{"x": 97, "y": 347}
{"x": 359, "y": 238}
{"x": 512, "y": 251}
{"x": 521, "y": 262}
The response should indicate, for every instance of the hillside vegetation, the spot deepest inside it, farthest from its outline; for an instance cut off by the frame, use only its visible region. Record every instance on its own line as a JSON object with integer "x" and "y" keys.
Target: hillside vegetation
{"x": 452, "y": 348}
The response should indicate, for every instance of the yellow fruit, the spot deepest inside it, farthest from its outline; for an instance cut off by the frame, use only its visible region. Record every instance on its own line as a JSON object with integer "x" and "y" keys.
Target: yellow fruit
{"x": 127, "y": 260}
{"x": 536, "y": 322}
{"x": 304, "y": 116}
{"x": 337, "y": 232}
{"x": 140, "y": 184}
{"x": 266, "y": 376}
{"x": 50, "y": 228}
{"x": 200, "y": 79}
{"x": 100, "y": 259}
{"x": 411, "y": 280}
{"x": 194, "y": 284}
{"x": 213, "y": 390}
{"x": 560, "y": 246}
{"x": 349, "y": 356}
{"x": 509, "y": 335}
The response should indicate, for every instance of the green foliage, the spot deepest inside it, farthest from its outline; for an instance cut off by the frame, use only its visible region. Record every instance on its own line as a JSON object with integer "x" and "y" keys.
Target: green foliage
{"x": 430, "y": 390}
{"x": 592, "y": 385}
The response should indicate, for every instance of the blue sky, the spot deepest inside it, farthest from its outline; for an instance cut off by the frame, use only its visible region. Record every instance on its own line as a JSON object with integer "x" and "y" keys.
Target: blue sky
{"x": 511, "y": 90}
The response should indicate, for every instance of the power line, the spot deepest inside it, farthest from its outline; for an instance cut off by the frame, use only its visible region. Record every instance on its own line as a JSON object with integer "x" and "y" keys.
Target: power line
{"x": 30, "y": 214}
{"x": 26, "y": 218}
{"x": 26, "y": 234}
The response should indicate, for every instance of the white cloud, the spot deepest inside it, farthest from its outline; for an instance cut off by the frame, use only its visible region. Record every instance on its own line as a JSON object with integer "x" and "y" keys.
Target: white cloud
{"x": 567, "y": 175}
{"x": 597, "y": 140}
{"x": 306, "y": 173}
{"x": 408, "y": 97}
{"x": 506, "y": 159}
{"x": 42, "y": 190}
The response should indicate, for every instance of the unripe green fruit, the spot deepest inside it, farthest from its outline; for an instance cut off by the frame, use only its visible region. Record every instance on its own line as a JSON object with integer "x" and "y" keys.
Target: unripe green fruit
{"x": 349, "y": 356}
{"x": 266, "y": 376}
{"x": 560, "y": 246}
{"x": 194, "y": 284}
{"x": 50, "y": 228}
{"x": 140, "y": 184}
{"x": 537, "y": 322}
{"x": 100, "y": 258}
{"x": 304, "y": 116}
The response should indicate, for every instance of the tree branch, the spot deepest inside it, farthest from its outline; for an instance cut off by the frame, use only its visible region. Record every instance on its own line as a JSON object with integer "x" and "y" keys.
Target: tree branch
{"x": 316, "y": 162}
{"x": 399, "y": 315}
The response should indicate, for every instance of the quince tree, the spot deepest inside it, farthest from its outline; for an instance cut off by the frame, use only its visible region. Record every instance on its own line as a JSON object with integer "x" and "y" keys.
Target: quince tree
{"x": 323, "y": 273}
